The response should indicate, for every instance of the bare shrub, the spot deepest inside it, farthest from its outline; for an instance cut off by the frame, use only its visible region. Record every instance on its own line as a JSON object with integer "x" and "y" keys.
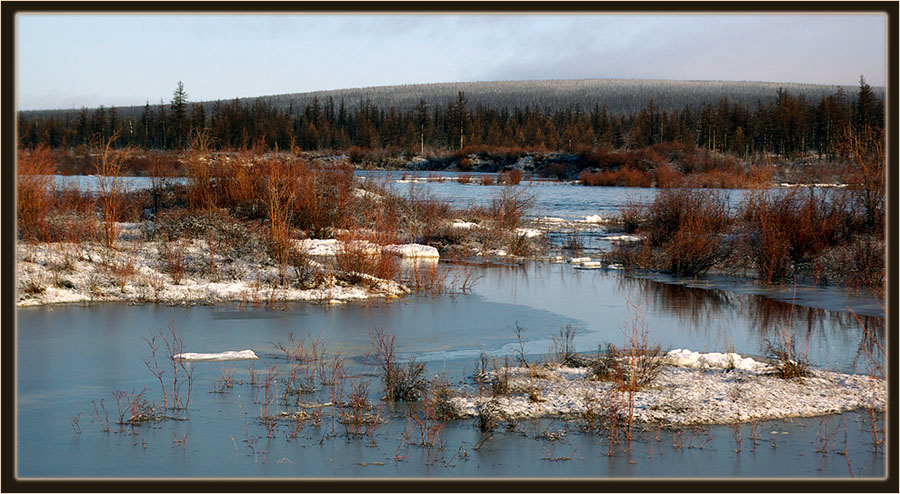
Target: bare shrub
{"x": 684, "y": 233}
{"x": 509, "y": 206}
{"x": 174, "y": 345}
{"x": 636, "y": 364}
{"x": 692, "y": 250}
{"x": 121, "y": 271}
{"x": 667, "y": 176}
{"x": 33, "y": 285}
{"x": 108, "y": 163}
{"x": 676, "y": 208}
{"x": 867, "y": 175}
{"x": 425, "y": 422}
{"x": 363, "y": 262}
{"x": 789, "y": 362}
{"x": 33, "y": 186}
{"x": 173, "y": 258}
{"x": 631, "y": 217}
{"x": 787, "y": 230}
{"x": 401, "y": 383}
{"x": 490, "y": 415}
{"x": 562, "y": 345}
{"x": 860, "y": 265}
{"x": 131, "y": 407}
{"x": 511, "y": 177}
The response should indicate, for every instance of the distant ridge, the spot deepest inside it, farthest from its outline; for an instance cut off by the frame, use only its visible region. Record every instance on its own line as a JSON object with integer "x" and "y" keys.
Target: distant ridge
{"x": 620, "y": 96}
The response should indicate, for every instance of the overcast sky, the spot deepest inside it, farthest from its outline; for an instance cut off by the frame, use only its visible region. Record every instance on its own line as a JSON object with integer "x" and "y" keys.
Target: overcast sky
{"x": 70, "y": 61}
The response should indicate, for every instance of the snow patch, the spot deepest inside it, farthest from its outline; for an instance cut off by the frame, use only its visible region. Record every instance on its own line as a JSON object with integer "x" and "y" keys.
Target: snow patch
{"x": 463, "y": 225}
{"x": 365, "y": 194}
{"x": 686, "y": 358}
{"x": 412, "y": 250}
{"x": 528, "y": 232}
{"x": 319, "y": 247}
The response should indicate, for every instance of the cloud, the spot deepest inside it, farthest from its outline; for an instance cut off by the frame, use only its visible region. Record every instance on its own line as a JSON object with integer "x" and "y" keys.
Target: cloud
{"x": 823, "y": 49}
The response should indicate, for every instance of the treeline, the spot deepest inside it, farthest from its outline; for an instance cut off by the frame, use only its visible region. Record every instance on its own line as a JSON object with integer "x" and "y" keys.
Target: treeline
{"x": 787, "y": 125}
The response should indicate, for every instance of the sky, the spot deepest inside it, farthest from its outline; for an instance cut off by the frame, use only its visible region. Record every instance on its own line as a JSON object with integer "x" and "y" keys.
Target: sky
{"x": 74, "y": 60}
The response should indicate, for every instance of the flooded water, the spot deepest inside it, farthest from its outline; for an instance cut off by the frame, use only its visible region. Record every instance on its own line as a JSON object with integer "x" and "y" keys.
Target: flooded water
{"x": 551, "y": 198}
{"x": 69, "y": 356}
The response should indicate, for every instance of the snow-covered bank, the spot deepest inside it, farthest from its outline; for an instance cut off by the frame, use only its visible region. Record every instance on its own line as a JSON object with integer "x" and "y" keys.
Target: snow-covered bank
{"x": 136, "y": 271}
{"x": 332, "y": 247}
{"x": 691, "y": 388}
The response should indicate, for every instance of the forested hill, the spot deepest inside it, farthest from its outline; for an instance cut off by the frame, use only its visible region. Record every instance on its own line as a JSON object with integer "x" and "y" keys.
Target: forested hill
{"x": 620, "y": 96}
{"x": 744, "y": 118}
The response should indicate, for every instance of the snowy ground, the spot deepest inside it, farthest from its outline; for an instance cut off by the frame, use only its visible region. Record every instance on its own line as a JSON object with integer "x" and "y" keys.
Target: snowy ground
{"x": 134, "y": 272}
{"x": 691, "y": 388}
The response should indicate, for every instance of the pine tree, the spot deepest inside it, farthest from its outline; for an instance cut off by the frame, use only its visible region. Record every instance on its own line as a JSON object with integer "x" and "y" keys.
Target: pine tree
{"x": 869, "y": 111}
{"x": 179, "y": 116}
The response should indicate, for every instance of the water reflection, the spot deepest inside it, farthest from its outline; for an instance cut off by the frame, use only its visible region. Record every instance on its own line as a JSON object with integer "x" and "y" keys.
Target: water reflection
{"x": 768, "y": 318}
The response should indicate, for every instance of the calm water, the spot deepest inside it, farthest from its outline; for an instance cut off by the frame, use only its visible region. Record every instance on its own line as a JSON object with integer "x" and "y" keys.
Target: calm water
{"x": 68, "y": 356}
{"x": 557, "y": 199}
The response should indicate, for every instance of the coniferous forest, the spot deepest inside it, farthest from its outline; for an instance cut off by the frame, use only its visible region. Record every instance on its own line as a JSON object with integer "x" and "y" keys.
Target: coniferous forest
{"x": 796, "y": 121}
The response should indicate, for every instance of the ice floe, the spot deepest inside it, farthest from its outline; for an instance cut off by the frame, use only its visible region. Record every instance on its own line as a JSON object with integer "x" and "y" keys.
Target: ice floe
{"x": 217, "y": 357}
{"x": 623, "y": 238}
{"x": 579, "y": 260}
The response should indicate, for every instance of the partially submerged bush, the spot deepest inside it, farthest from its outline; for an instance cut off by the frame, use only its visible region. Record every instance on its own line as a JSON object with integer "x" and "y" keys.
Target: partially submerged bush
{"x": 401, "y": 383}
{"x": 684, "y": 233}
{"x": 509, "y": 207}
{"x": 441, "y": 393}
{"x": 631, "y": 369}
{"x": 788, "y": 362}
{"x": 788, "y": 228}
{"x": 490, "y": 415}
{"x": 860, "y": 265}
{"x": 675, "y": 209}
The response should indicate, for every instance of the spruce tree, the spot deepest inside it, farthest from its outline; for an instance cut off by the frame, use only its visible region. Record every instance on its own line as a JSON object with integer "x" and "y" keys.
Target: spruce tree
{"x": 179, "y": 116}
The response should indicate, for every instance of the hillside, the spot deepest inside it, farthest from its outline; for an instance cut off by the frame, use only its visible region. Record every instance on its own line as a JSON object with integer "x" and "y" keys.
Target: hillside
{"x": 620, "y": 96}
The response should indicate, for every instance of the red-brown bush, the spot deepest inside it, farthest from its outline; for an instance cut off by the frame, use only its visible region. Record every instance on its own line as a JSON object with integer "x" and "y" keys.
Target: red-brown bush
{"x": 33, "y": 193}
